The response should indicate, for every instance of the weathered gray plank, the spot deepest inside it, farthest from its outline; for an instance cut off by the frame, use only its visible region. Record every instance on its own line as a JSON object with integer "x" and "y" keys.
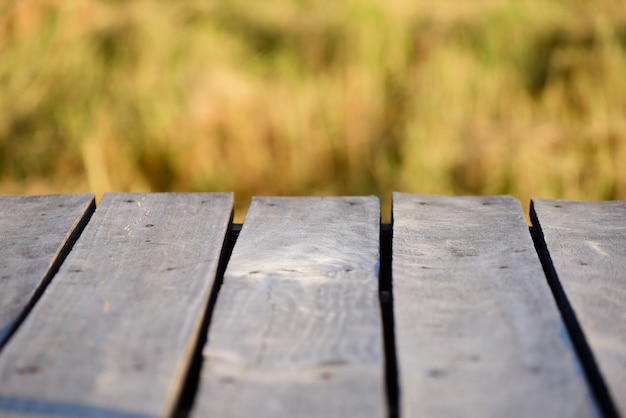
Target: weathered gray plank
{"x": 296, "y": 330}
{"x": 586, "y": 242}
{"x": 114, "y": 333}
{"x": 35, "y": 234}
{"x": 477, "y": 329}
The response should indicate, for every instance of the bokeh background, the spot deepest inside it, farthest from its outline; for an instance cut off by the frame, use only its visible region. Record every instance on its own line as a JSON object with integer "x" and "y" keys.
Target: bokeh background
{"x": 314, "y": 97}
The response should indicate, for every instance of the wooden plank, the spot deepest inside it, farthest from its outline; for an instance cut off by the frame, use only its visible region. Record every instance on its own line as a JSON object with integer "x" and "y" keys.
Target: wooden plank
{"x": 114, "y": 333}
{"x": 36, "y": 232}
{"x": 296, "y": 329}
{"x": 586, "y": 242}
{"x": 477, "y": 329}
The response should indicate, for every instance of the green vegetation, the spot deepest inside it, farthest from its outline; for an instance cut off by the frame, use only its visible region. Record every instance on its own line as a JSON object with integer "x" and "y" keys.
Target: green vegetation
{"x": 295, "y": 97}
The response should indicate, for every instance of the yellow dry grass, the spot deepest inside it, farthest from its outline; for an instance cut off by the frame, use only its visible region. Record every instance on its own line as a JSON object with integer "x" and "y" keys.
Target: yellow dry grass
{"x": 296, "y": 97}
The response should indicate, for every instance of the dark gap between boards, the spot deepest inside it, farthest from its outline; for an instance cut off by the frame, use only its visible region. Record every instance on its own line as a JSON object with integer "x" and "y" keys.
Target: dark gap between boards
{"x": 190, "y": 386}
{"x": 386, "y": 307}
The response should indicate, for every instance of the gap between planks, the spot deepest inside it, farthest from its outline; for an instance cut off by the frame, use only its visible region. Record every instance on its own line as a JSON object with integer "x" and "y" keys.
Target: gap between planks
{"x": 190, "y": 386}
{"x": 386, "y": 308}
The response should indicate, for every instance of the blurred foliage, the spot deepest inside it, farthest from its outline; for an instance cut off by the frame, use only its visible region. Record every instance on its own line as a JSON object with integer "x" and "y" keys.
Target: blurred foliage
{"x": 299, "y": 97}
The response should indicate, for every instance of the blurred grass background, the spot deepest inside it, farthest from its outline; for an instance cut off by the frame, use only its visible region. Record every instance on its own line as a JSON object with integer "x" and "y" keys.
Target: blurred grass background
{"x": 314, "y": 97}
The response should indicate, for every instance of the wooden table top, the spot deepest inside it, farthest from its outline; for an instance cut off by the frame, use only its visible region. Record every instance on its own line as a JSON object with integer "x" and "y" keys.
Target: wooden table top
{"x": 157, "y": 305}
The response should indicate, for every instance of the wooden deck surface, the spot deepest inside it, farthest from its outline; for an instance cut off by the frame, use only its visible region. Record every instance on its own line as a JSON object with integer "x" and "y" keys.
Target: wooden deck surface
{"x": 156, "y": 305}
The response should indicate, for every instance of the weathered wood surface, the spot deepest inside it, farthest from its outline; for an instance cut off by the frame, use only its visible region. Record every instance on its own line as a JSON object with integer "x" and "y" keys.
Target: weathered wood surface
{"x": 586, "y": 242}
{"x": 35, "y": 234}
{"x": 114, "y": 332}
{"x": 477, "y": 330}
{"x": 296, "y": 331}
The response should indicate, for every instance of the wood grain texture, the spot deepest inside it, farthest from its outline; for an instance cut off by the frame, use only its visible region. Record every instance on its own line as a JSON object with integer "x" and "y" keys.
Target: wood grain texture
{"x": 477, "y": 330}
{"x": 35, "y": 234}
{"x": 114, "y": 332}
{"x": 586, "y": 242}
{"x": 296, "y": 330}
